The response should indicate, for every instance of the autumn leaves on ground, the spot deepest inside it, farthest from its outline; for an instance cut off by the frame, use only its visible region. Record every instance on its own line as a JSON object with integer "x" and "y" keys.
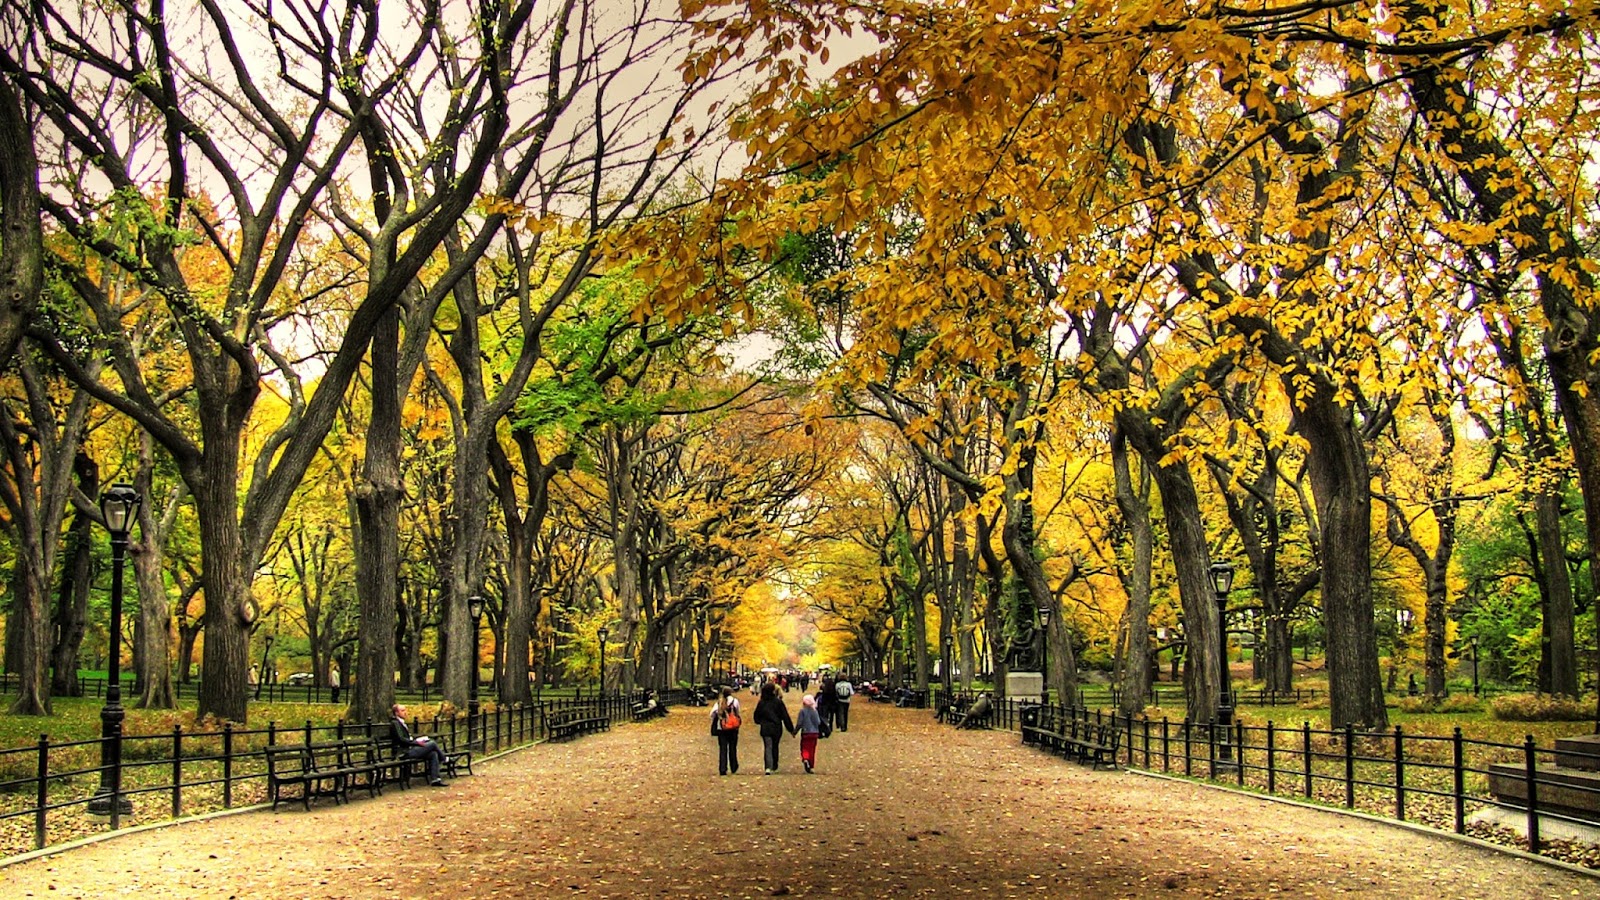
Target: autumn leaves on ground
{"x": 899, "y": 806}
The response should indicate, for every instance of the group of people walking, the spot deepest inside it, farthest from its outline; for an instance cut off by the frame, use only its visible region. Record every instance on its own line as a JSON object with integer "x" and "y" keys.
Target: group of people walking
{"x": 819, "y": 715}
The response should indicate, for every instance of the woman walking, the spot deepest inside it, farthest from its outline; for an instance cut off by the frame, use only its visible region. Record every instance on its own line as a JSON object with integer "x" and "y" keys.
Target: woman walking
{"x": 773, "y": 718}
{"x": 725, "y": 726}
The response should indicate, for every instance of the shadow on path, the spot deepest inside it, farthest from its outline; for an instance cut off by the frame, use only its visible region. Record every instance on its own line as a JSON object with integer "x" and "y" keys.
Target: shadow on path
{"x": 900, "y": 806}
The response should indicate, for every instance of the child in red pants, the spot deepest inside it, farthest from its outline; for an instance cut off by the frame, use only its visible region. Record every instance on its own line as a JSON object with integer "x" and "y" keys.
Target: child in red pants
{"x": 810, "y": 727}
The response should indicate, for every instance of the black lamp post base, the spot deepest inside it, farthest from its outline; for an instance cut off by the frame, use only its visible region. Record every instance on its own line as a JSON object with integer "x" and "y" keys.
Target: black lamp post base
{"x": 100, "y": 805}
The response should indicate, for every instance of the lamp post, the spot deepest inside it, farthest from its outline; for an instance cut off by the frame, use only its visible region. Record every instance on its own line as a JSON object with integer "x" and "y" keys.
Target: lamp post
{"x": 603, "y": 633}
{"x": 261, "y": 676}
{"x": 119, "y": 506}
{"x": 1045, "y": 609}
{"x": 475, "y": 609}
{"x": 661, "y": 666}
{"x": 945, "y": 668}
{"x": 1222, "y": 583}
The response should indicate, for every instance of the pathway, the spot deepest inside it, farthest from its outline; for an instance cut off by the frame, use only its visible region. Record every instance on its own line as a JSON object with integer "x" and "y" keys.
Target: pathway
{"x": 899, "y": 807}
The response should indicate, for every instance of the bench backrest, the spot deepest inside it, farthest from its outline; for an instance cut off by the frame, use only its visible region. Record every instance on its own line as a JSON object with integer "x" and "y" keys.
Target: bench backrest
{"x": 286, "y": 759}
{"x": 327, "y": 757}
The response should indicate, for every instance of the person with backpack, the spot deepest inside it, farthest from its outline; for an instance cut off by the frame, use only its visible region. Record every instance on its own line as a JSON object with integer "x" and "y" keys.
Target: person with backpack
{"x": 772, "y": 717}
{"x": 844, "y": 690}
{"x": 725, "y": 727}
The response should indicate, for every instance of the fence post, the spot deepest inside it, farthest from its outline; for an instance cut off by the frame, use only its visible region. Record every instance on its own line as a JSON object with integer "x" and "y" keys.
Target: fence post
{"x": 1306, "y": 744}
{"x": 1530, "y": 759}
{"x": 227, "y": 765}
{"x": 43, "y": 785}
{"x": 1188, "y": 757}
{"x": 1272, "y": 767}
{"x": 177, "y": 770}
{"x": 1238, "y": 747}
{"x": 1349, "y": 766}
{"x": 309, "y": 740}
{"x": 1146, "y": 725}
{"x": 1459, "y": 772}
{"x": 1166, "y": 745}
{"x": 1399, "y": 775}
{"x": 1211, "y": 748}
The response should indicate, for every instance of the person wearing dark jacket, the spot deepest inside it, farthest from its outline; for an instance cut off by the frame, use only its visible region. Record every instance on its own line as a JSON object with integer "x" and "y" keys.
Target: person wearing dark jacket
{"x": 773, "y": 719}
{"x": 421, "y": 747}
{"x": 827, "y": 704}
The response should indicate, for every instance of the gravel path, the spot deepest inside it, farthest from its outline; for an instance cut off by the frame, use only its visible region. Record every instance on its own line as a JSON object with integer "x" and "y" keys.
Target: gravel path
{"x": 899, "y": 807}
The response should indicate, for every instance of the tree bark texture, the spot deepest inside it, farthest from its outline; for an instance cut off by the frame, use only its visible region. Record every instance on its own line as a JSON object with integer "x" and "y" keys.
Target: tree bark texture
{"x": 72, "y": 600}
{"x": 377, "y": 504}
{"x": 21, "y": 230}
{"x": 1135, "y": 512}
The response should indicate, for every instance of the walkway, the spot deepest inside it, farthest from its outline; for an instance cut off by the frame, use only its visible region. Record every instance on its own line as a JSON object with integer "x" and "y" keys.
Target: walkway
{"x": 899, "y": 807}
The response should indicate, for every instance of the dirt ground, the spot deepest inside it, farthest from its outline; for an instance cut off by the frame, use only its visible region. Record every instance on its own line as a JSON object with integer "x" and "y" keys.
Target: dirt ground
{"x": 899, "y": 807}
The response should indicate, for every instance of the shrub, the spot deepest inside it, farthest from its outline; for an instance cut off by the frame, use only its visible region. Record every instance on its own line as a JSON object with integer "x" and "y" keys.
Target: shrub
{"x": 1453, "y": 703}
{"x": 1540, "y": 708}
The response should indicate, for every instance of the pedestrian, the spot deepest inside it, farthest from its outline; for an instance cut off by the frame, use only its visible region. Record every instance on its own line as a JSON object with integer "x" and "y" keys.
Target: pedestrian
{"x": 418, "y": 747}
{"x": 810, "y": 727}
{"x": 254, "y": 678}
{"x": 773, "y": 719}
{"x": 333, "y": 683}
{"x": 843, "y": 690}
{"x": 725, "y": 725}
{"x": 827, "y": 704}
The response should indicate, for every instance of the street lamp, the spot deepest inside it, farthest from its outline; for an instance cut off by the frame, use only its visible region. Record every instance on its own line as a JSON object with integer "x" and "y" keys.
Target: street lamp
{"x": 603, "y": 633}
{"x": 120, "y": 507}
{"x": 261, "y": 676}
{"x": 946, "y": 667}
{"x": 474, "y": 609}
{"x": 661, "y": 667}
{"x": 1045, "y": 609}
{"x": 1222, "y": 583}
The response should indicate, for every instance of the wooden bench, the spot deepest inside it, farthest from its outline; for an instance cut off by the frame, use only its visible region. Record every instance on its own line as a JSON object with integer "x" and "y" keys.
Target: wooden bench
{"x": 327, "y": 769}
{"x": 563, "y": 724}
{"x": 649, "y": 708}
{"x": 398, "y": 768}
{"x": 288, "y": 766}
{"x": 1089, "y": 742}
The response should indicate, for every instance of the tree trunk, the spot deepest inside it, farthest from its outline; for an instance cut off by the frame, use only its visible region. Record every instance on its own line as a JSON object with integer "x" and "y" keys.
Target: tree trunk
{"x": 154, "y": 662}
{"x": 72, "y": 600}
{"x": 1559, "y": 634}
{"x": 1205, "y": 670}
{"x": 225, "y": 657}
{"x": 1336, "y": 461}
{"x": 28, "y": 627}
{"x": 21, "y": 231}
{"x": 1135, "y": 510}
{"x": 377, "y": 504}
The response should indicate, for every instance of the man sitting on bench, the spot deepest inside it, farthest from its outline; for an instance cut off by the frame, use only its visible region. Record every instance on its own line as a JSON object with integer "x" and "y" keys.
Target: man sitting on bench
{"x": 420, "y": 747}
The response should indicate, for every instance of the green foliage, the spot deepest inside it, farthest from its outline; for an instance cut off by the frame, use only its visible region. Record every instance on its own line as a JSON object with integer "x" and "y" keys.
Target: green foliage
{"x": 1540, "y": 708}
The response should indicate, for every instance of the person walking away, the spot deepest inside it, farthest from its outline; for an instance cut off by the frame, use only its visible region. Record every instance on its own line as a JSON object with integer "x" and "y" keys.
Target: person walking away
{"x": 827, "y": 704}
{"x": 725, "y": 725}
{"x": 810, "y": 727}
{"x": 419, "y": 747}
{"x": 772, "y": 717}
{"x": 333, "y": 683}
{"x": 844, "y": 690}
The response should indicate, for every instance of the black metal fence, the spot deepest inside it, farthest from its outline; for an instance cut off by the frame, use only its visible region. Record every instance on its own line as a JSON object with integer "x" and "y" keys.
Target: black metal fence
{"x": 1426, "y": 779}
{"x": 49, "y": 785}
